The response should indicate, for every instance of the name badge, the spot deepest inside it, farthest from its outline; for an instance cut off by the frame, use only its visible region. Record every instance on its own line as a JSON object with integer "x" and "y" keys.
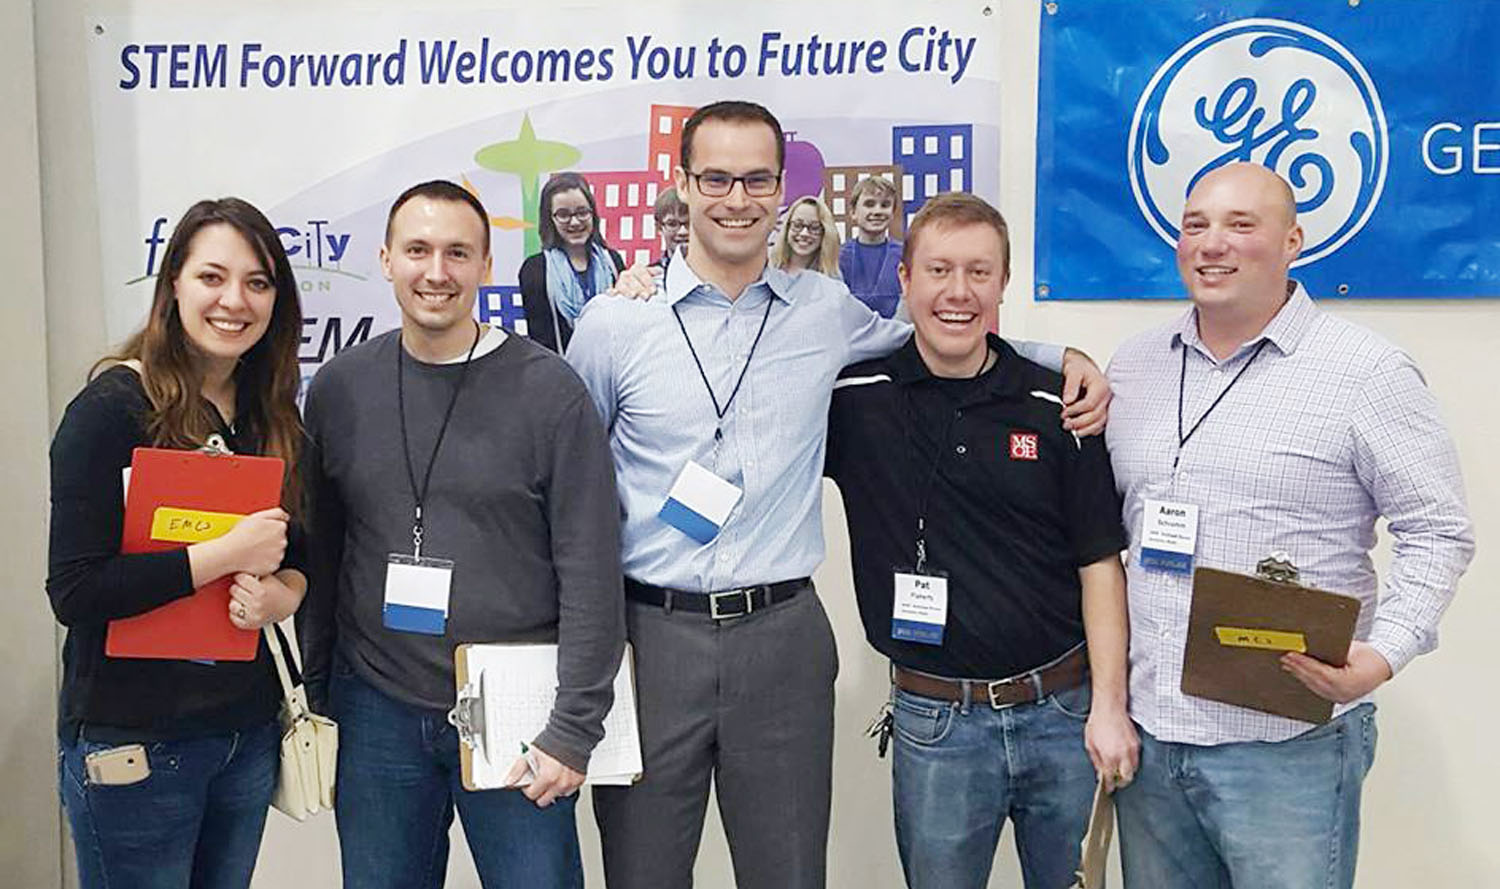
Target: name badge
{"x": 699, "y": 503}
{"x": 920, "y": 608}
{"x": 1169, "y": 536}
{"x": 416, "y": 594}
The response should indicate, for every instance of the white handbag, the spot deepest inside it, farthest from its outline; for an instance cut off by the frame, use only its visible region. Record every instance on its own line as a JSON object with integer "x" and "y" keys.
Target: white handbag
{"x": 309, "y": 743}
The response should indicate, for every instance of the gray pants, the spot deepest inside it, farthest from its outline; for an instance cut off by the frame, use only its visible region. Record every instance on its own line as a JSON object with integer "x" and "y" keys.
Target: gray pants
{"x": 748, "y": 703}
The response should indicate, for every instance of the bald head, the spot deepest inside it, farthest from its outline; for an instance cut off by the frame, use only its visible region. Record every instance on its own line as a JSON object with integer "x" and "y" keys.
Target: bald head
{"x": 1238, "y": 240}
{"x": 1253, "y": 182}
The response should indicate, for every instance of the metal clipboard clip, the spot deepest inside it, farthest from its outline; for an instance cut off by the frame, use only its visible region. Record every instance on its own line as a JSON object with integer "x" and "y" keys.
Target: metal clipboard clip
{"x": 467, "y": 716}
{"x": 1277, "y": 568}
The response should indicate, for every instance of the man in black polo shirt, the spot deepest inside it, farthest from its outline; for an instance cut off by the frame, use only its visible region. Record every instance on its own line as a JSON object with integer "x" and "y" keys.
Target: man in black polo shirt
{"x": 986, "y": 547}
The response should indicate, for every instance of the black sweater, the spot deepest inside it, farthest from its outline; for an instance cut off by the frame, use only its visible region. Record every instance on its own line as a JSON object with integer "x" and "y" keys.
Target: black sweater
{"x": 90, "y": 583}
{"x": 540, "y": 313}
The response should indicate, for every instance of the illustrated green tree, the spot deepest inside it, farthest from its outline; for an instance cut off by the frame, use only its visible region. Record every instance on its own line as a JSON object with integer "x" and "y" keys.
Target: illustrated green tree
{"x": 528, "y": 158}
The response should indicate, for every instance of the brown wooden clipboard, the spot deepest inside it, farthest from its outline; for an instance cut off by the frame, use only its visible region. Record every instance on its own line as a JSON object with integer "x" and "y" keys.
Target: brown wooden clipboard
{"x": 1237, "y": 633}
{"x": 1094, "y": 854}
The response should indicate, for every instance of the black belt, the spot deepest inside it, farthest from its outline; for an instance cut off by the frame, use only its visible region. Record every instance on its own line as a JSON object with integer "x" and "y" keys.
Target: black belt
{"x": 720, "y": 605}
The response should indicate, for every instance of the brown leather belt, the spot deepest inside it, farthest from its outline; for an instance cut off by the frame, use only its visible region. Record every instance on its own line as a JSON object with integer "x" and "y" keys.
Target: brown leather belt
{"x": 1062, "y": 674}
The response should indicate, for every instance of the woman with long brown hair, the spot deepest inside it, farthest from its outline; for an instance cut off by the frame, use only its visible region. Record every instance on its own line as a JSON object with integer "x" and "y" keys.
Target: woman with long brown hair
{"x": 167, "y": 767}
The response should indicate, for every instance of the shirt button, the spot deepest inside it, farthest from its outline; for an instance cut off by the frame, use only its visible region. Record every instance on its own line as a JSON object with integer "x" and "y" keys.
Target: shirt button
{"x": 961, "y": 450}
{"x": 724, "y": 556}
{"x": 749, "y": 464}
{"x": 1183, "y": 476}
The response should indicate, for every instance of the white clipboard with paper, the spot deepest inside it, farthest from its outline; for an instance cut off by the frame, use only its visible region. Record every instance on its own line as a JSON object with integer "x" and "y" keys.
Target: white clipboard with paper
{"x": 505, "y": 695}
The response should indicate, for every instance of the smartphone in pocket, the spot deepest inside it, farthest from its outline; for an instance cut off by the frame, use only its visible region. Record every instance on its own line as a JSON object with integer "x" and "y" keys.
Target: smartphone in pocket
{"x": 117, "y": 766}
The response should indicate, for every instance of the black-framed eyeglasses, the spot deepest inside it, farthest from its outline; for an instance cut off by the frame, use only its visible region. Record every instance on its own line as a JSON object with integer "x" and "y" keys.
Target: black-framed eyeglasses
{"x": 672, "y": 223}
{"x": 797, "y": 226}
{"x": 563, "y": 217}
{"x": 717, "y": 185}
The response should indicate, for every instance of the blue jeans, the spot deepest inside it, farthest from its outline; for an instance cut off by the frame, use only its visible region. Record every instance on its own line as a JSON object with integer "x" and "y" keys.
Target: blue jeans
{"x": 195, "y": 821}
{"x": 398, "y": 780}
{"x": 1251, "y": 815}
{"x": 960, "y": 773}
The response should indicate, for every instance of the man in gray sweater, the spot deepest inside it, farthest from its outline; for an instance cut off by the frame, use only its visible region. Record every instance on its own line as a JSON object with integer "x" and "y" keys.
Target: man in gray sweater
{"x": 461, "y": 491}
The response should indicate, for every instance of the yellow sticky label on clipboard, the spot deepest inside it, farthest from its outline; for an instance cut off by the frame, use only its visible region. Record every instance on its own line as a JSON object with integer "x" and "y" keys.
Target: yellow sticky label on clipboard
{"x": 190, "y": 525}
{"x": 1270, "y": 640}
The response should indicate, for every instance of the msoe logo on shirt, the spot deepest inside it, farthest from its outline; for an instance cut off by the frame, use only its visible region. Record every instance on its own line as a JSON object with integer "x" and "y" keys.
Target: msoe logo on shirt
{"x": 1270, "y": 92}
{"x": 1023, "y": 446}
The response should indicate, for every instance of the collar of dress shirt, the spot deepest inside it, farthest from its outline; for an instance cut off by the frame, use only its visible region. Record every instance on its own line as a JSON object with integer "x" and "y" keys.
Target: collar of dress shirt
{"x": 1285, "y": 330}
{"x": 681, "y": 280}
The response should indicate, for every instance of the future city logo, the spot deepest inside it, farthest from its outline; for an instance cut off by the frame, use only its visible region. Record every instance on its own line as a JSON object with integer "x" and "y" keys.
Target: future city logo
{"x": 1271, "y": 92}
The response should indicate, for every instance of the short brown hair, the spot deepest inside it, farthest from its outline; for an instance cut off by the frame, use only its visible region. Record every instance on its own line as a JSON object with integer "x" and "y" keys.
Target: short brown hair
{"x": 876, "y": 183}
{"x": 956, "y": 208}
{"x": 731, "y": 111}
{"x": 669, "y": 203}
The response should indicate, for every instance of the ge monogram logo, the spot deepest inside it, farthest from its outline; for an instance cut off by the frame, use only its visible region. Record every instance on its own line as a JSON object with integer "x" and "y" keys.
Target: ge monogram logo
{"x": 1270, "y": 92}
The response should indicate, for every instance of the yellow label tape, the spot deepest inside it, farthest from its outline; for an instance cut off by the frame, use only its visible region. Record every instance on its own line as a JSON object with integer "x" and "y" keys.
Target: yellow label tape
{"x": 1271, "y": 640}
{"x": 190, "y": 525}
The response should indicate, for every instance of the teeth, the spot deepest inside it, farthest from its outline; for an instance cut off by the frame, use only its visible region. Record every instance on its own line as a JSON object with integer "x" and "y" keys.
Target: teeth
{"x": 228, "y": 326}
{"x": 958, "y": 317}
{"x": 1215, "y": 270}
{"x": 736, "y": 223}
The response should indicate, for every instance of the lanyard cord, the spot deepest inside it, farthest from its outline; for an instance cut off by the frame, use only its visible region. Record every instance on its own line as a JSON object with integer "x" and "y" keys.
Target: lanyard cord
{"x": 719, "y": 412}
{"x": 937, "y": 457}
{"x": 420, "y": 495}
{"x": 1181, "y": 387}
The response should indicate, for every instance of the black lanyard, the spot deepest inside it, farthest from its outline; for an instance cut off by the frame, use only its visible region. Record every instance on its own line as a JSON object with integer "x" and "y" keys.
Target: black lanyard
{"x": 420, "y": 495}
{"x": 719, "y": 412}
{"x": 1181, "y": 386}
{"x": 937, "y": 457}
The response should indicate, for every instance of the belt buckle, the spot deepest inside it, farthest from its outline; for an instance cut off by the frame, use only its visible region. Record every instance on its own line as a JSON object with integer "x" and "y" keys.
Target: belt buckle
{"x": 715, "y": 598}
{"x": 989, "y": 690}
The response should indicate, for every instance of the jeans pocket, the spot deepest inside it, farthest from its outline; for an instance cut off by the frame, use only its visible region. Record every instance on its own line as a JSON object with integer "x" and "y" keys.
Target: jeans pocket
{"x": 1073, "y": 702}
{"x": 921, "y": 721}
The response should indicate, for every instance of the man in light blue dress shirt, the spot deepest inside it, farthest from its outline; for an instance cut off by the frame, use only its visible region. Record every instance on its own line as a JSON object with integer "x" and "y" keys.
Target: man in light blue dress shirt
{"x": 716, "y": 393}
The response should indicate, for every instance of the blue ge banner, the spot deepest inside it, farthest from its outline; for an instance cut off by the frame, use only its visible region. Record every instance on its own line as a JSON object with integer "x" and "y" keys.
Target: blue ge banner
{"x": 1384, "y": 115}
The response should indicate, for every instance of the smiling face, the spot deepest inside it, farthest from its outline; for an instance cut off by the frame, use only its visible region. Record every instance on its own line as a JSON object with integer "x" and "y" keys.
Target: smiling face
{"x": 727, "y": 235}
{"x": 674, "y": 229}
{"x": 804, "y": 232}
{"x": 436, "y": 260}
{"x": 1239, "y": 237}
{"x": 953, "y": 289}
{"x": 573, "y": 217}
{"x": 225, "y": 295}
{"x": 872, "y": 215}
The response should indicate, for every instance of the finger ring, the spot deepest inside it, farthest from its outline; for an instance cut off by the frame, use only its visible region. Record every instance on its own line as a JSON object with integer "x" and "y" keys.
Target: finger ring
{"x": 242, "y": 611}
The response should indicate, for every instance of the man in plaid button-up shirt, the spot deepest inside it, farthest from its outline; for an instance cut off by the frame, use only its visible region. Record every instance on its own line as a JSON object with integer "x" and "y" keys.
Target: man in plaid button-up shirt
{"x": 1297, "y": 432}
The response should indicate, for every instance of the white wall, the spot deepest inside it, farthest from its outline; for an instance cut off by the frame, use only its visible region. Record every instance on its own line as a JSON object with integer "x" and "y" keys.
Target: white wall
{"x": 1428, "y": 810}
{"x": 30, "y": 847}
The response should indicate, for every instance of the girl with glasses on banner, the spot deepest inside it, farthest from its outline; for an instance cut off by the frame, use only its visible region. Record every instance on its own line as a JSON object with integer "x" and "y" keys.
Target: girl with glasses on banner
{"x": 167, "y": 767}
{"x": 809, "y": 239}
{"x": 574, "y": 266}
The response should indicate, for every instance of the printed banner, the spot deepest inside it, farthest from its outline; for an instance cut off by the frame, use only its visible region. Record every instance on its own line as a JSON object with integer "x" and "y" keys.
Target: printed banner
{"x": 322, "y": 119}
{"x": 1384, "y": 116}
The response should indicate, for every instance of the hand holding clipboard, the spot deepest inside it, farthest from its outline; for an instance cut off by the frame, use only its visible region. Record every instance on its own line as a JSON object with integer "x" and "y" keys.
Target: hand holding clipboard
{"x": 175, "y": 499}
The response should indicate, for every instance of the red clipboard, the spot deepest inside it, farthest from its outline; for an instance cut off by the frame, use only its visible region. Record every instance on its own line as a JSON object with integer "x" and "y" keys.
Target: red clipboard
{"x": 195, "y": 627}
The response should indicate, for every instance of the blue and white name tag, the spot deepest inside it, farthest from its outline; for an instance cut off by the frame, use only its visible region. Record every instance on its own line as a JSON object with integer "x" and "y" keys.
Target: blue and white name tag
{"x": 1169, "y": 536}
{"x": 416, "y": 594}
{"x": 920, "y": 608}
{"x": 699, "y": 503}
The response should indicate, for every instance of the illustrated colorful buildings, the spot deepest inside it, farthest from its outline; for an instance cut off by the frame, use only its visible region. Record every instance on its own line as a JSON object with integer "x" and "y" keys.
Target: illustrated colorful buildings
{"x": 933, "y": 159}
{"x": 626, "y": 200}
{"x": 663, "y": 147}
{"x": 501, "y": 304}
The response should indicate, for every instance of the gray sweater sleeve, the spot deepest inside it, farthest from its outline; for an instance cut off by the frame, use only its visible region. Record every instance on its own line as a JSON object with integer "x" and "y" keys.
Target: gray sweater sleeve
{"x": 584, "y": 518}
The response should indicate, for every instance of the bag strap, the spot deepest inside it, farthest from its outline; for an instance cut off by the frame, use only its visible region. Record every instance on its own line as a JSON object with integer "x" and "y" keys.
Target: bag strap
{"x": 275, "y": 642}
